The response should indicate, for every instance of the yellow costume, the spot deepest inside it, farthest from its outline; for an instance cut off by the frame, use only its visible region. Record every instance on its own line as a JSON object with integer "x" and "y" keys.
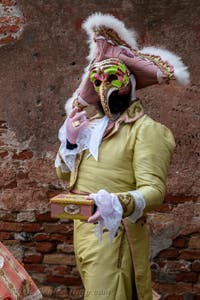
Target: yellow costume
{"x": 134, "y": 153}
{"x": 136, "y": 157}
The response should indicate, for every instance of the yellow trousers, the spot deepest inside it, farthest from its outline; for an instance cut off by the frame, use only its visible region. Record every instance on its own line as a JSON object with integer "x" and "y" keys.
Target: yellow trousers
{"x": 105, "y": 267}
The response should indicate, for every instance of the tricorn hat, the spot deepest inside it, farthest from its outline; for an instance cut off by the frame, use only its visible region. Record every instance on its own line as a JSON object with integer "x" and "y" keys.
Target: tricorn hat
{"x": 111, "y": 43}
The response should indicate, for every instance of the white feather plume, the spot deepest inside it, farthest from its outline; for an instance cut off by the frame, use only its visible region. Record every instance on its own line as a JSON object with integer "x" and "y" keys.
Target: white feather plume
{"x": 106, "y": 20}
{"x": 181, "y": 72}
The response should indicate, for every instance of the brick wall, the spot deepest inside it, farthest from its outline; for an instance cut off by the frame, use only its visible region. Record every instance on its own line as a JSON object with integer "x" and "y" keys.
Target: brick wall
{"x": 36, "y": 75}
{"x": 43, "y": 245}
{"x": 45, "y": 248}
{"x": 12, "y": 22}
{"x": 176, "y": 267}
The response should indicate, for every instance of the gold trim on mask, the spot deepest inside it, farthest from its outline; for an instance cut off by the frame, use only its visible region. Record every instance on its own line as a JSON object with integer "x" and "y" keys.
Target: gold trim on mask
{"x": 103, "y": 91}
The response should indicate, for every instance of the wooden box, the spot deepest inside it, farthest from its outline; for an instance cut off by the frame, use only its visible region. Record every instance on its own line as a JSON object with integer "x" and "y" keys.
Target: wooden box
{"x": 71, "y": 206}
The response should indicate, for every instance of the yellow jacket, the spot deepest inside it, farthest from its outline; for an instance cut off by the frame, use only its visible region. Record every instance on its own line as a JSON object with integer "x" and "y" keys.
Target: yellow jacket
{"x": 136, "y": 157}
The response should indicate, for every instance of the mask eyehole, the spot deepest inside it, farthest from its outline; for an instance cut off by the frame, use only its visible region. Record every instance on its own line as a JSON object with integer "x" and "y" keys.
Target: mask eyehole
{"x": 112, "y": 77}
{"x": 97, "y": 82}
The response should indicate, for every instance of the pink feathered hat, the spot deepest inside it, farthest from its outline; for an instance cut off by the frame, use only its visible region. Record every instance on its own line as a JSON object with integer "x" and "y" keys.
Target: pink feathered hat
{"x": 109, "y": 38}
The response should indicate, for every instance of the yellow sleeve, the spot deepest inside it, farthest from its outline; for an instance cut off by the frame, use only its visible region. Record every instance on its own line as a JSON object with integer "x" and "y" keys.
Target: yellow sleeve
{"x": 151, "y": 157}
{"x": 62, "y": 175}
{"x": 152, "y": 154}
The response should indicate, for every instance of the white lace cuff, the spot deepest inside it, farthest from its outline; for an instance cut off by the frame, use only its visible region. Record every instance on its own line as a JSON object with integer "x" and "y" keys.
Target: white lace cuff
{"x": 139, "y": 206}
{"x": 60, "y": 164}
{"x": 88, "y": 138}
{"x": 111, "y": 213}
{"x": 68, "y": 155}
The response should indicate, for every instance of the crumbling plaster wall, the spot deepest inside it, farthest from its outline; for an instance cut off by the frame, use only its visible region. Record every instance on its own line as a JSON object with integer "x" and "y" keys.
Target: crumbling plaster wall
{"x": 42, "y": 57}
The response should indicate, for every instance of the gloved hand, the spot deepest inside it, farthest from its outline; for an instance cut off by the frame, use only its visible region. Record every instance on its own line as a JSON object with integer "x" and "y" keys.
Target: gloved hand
{"x": 109, "y": 212}
{"x": 75, "y": 122}
{"x": 105, "y": 205}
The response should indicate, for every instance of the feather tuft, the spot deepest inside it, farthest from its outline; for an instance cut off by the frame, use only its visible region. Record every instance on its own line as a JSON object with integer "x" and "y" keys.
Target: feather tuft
{"x": 181, "y": 72}
{"x": 98, "y": 20}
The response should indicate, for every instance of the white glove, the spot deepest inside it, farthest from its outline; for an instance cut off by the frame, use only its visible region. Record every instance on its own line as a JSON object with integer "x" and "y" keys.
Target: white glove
{"x": 109, "y": 213}
{"x": 75, "y": 122}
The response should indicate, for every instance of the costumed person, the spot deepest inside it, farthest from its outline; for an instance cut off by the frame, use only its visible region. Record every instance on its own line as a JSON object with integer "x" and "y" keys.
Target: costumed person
{"x": 118, "y": 156}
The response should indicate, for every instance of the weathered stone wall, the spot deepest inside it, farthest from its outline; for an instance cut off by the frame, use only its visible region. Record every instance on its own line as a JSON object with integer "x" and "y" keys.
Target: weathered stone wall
{"x": 42, "y": 56}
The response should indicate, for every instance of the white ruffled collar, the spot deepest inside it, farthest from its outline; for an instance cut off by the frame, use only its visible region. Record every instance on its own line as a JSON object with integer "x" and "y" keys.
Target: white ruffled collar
{"x": 90, "y": 137}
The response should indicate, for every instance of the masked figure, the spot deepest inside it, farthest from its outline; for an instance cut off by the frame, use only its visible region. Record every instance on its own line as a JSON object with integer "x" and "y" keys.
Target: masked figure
{"x": 117, "y": 155}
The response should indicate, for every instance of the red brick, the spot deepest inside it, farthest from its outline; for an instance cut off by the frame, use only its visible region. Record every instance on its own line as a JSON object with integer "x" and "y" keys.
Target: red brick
{"x": 33, "y": 184}
{"x": 22, "y": 175}
{"x": 6, "y": 236}
{"x": 31, "y": 227}
{"x": 194, "y": 242}
{"x": 23, "y": 155}
{"x": 33, "y": 258}
{"x": 196, "y": 266}
{"x": 7, "y": 226}
{"x": 3, "y": 144}
{"x": 11, "y": 185}
{"x": 3, "y": 154}
{"x": 9, "y": 29}
{"x": 187, "y": 277}
{"x": 190, "y": 254}
{"x": 179, "y": 243}
{"x": 3, "y": 124}
{"x": 68, "y": 281}
{"x": 65, "y": 248}
{"x": 57, "y": 228}
{"x": 6, "y": 216}
{"x": 165, "y": 208}
{"x": 61, "y": 237}
{"x": 10, "y": 20}
{"x": 179, "y": 199}
{"x": 61, "y": 270}
{"x": 174, "y": 297}
{"x": 173, "y": 288}
{"x": 7, "y": 40}
{"x": 35, "y": 268}
{"x": 8, "y": 2}
{"x": 59, "y": 259}
{"x": 169, "y": 253}
{"x": 18, "y": 227}
{"x": 196, "y": 288}
{"x": 41, "y": 237}
{"x": 45, "y": 217}
{"x": 28, "y": 244}
{"x": 45, "y": 247}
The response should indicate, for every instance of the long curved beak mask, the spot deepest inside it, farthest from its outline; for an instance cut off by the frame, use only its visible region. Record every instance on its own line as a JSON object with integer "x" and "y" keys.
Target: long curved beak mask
{"x": 111, "y": 80}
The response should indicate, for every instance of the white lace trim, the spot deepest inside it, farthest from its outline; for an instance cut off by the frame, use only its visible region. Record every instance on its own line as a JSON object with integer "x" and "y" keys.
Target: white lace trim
{"x": 111, "y": 213}
{"x": 139, "y": 206}
{"x": 88, "y": 138}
